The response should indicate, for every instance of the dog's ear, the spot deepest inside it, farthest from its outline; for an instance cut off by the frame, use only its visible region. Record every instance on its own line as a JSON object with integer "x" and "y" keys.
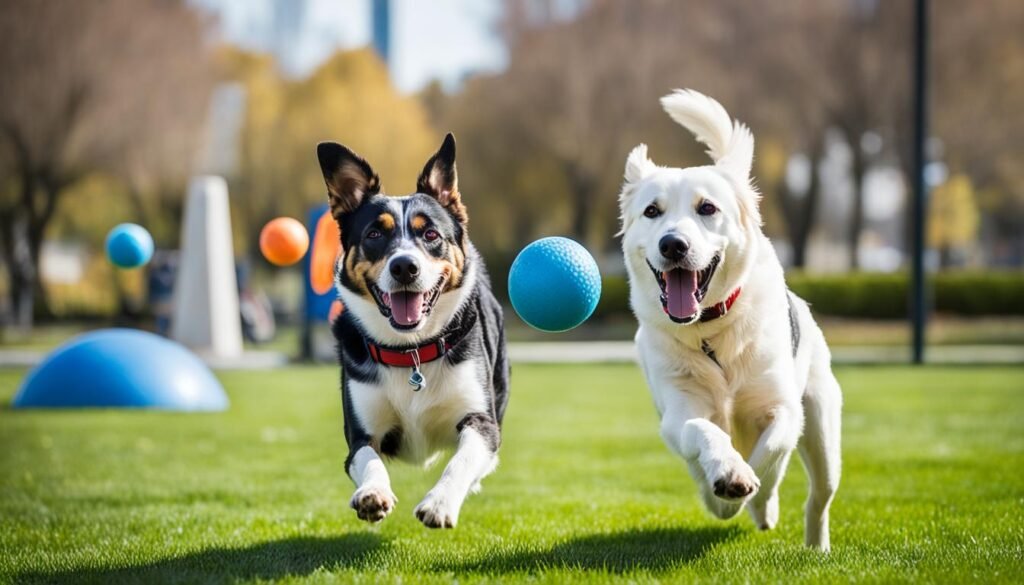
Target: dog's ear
{"x": 350, "y": 179}
{"x": 440, "y": 179}
{"x": 638, "y": 168}
{"x": 638, "y": 165}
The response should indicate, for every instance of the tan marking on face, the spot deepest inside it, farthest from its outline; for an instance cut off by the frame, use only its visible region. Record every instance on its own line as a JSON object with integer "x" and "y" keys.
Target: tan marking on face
{"x": 458, "y": 258}
{"x": 453, "y": 266}
{"x": 361, "y": 272}
{"x": 419, "y": 222}
{"x": 386, "y": 221}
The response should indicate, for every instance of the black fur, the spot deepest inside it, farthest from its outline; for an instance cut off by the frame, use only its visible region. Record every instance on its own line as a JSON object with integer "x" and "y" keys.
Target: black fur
{"x": 794, "y": 323}
{"x": 371, "y": 232}
{"x": 485, "y": 425}
{"x": 478, "y": 328}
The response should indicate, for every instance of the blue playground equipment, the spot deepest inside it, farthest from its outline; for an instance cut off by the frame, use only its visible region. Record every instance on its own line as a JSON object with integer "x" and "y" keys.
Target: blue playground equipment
{"x": 122, "y": 368}
{"x": 554, "y": 284}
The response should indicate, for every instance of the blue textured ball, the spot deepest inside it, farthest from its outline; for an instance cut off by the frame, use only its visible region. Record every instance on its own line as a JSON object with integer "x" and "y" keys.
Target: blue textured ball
{"x": 554, "y": 284}
{"x": 129, "y": 245}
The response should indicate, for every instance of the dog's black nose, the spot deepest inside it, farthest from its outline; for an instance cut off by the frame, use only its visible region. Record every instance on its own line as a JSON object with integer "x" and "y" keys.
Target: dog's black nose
{"x": 404, "y": 269}
{"x": 673, "y": 247}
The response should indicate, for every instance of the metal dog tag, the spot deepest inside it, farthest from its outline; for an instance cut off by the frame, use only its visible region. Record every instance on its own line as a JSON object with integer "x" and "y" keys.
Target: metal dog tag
{"x": 417, "y": 381}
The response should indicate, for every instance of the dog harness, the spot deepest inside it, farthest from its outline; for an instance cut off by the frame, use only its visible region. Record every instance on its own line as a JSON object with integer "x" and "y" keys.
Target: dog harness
{"x": 721, "y": 309}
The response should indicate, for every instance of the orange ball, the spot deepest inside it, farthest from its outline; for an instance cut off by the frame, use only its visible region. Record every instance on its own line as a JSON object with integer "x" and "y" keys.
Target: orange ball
{"x": 284, "y": 241}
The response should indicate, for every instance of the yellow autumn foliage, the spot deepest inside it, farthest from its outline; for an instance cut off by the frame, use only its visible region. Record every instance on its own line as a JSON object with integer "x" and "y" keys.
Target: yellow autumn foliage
{"x": 953, "y": 214}
{"x": 348, "y": 99}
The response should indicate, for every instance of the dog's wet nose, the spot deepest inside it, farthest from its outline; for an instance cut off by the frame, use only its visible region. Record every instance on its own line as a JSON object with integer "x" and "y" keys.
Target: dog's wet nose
{"x": 404, "y": 269}
{"x": 673, "y": 247}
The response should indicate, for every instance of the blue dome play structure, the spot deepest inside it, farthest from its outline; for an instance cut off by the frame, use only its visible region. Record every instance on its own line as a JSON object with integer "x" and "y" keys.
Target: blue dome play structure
{"x": 122, "y": 368}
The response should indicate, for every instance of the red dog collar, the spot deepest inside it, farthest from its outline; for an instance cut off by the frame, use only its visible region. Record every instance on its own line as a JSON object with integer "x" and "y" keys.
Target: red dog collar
{"x": 408, "y": 358}
{"x": 721, "y": 309}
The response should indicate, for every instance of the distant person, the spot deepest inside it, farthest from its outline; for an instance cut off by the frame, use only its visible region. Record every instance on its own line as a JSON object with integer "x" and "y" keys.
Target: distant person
{"x": 163, "y": 270}
{"x": 257, "y": 313}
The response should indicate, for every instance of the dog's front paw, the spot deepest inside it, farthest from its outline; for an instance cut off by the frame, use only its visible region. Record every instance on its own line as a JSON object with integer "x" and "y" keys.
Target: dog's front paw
{"x": 736, "y": 481}
{"x": 437, "y": 511}
{"x": 373, "y": 503}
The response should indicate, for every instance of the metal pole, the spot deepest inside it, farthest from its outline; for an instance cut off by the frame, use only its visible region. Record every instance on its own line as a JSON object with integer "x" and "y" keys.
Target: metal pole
{"x": 918, "y": 300}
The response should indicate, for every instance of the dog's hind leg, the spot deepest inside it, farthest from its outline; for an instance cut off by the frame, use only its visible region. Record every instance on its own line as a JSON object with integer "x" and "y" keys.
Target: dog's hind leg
{"x": 474, "y": 458}
{"x": 764, "y": 506}
{"x": 769, "y": 460}
{"x": 819, "y": 449}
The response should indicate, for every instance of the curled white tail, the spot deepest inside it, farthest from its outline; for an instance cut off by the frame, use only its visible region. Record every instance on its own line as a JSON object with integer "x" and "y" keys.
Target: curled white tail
{"x": 730, "y": 144}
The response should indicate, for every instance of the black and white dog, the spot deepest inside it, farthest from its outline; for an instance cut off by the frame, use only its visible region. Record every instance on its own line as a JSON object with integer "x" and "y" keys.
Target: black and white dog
{"x": 421, "y": 339}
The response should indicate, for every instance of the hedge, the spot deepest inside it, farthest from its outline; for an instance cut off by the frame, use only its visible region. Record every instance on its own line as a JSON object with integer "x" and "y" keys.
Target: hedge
{"x": 869, "y": 295}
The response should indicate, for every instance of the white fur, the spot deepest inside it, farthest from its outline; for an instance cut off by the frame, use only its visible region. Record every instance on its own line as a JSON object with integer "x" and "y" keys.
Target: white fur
{"x": 428, "y": 417}
{"x": 428, "y": 420}
{"x": 472, "y": 461}
{"x": 372, "y": 484}
{"x": 736, "y": 421}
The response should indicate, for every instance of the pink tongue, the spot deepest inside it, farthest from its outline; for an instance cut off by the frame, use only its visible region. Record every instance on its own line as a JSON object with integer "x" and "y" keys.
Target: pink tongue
{"x": 680, "y": 287}
{"x": 407, "y": 307}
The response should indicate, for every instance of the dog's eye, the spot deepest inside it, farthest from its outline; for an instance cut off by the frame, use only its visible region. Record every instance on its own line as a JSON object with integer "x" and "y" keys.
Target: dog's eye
{"x": 373, "y": 234}
{"x": 707, "y": 208}
{"x": 652, "y": 211}
{"x": 431, "y": 235}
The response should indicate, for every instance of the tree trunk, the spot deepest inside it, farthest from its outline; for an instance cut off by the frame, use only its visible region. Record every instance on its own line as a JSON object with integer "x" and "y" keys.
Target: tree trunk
{"x": 801, "y": 212}
{"x": 52, "y": 187}
{"x": 21, "y": 271}
{"x": 580, "y": 185}
{"x": 22, "y": 229}
{"x": 15, "y": 231}
{"x": 40, "y": 299}
{"x": 858, "y": 170}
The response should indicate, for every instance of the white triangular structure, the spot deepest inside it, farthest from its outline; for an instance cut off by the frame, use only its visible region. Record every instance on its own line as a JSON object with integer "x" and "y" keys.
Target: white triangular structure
{"x": 206, "y": 317}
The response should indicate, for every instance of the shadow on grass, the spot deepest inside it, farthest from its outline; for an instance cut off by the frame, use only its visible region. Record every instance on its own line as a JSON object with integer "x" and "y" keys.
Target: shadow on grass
{"x": 272, "y": 560}
{"x": 654, "y": 550}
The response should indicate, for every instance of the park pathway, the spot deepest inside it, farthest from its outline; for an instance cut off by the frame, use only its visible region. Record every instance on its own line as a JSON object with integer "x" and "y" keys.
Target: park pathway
{"x": 579, "y": 352}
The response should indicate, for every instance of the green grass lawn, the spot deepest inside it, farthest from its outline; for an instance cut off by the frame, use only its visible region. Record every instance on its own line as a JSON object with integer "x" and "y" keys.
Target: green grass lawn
{"x": 933, "y": 490}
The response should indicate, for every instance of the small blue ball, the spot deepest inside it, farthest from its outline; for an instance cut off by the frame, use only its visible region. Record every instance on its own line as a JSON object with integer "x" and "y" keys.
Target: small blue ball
{"x": 554, "y": 284}
{"x": 129, "y": 245}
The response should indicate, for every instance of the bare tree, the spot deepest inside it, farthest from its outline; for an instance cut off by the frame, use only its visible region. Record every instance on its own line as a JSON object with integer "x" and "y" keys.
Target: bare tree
{"x": 581, "y": 89}
{"x": 108, "y": 85}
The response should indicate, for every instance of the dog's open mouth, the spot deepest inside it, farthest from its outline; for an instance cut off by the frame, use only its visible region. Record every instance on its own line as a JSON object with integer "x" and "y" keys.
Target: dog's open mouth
{"x": 682, "y": 290}
{"x": 406, "y": 309}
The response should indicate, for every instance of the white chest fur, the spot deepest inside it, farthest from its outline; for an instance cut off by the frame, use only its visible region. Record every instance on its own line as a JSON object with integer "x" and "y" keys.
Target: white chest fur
{"x": 427, "y": 418}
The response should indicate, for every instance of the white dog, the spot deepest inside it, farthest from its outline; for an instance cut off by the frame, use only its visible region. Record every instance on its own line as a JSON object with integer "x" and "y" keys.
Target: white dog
{"x": 739, "y": 371}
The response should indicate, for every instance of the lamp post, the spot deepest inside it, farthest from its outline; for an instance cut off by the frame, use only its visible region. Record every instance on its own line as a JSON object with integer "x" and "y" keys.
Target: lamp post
{"x": 918, "y": 289}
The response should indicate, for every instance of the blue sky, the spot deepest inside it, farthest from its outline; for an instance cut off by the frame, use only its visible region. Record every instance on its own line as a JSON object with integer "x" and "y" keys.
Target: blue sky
{"x": 442, "y": 39}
